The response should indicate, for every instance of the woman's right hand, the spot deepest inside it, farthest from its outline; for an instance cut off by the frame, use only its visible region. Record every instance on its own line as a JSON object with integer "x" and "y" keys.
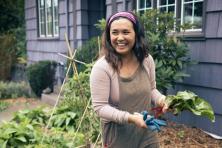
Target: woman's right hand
{"x": 137, "y": 119}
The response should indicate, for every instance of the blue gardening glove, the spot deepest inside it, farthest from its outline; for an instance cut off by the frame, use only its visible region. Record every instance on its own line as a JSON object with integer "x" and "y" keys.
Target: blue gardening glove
{"x": 151, "y": 122}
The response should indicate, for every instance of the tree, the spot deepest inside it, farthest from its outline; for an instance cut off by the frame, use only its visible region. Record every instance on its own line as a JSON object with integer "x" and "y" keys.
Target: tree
{"x": 11, "y": 14}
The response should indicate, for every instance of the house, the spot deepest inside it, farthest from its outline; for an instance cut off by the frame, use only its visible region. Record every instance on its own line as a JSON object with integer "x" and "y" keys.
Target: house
{"x": 48, "y": 20}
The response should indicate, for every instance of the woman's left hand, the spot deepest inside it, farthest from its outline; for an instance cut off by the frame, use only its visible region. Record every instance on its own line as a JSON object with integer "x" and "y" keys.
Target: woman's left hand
{"x": 162, "y": 103}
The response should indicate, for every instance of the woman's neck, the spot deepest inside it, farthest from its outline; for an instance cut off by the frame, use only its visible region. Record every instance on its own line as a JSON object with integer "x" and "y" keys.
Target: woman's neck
{"x": 129, "y": 58}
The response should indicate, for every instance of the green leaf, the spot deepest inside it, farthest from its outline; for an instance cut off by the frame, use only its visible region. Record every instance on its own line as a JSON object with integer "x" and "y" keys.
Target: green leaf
{"x": 190, "y": 101}
{"x": 21, "y": 139}
{"x": 10, "y": 131}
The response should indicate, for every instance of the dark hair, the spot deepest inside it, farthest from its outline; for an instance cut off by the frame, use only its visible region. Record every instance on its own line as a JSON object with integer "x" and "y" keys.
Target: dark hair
{"x": 140, "y": 48}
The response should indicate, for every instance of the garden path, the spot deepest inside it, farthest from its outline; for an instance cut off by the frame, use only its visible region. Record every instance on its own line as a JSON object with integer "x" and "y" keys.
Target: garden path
{"x": 19, "y": 104}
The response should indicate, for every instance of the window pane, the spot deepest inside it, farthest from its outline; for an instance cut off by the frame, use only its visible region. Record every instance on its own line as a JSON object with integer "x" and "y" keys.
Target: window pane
{"x": 171, "y": 1}
{"x": 42, "y": 32}
{"x": 56, "y": 26}
{"x": 198, "y": 9}
{"x": 163, "y": 2}
{"x": 49, "y": 17}
{"x": 163, "y": 9}
{"x": 141, "y": 4}
{"x": 148, "y": 3}
{"x": 171, "y": 9}
{"x": 188, "y": 13}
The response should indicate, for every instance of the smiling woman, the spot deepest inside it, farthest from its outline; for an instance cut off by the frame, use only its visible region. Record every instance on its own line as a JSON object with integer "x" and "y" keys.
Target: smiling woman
{"x": 122, "y": 82}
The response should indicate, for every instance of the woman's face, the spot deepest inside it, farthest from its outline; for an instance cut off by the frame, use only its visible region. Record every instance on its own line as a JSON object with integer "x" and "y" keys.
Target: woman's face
{"x": 122, "y": 36}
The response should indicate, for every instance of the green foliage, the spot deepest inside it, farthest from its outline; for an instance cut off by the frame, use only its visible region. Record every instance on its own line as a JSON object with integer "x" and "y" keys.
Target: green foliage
{"x": 7, "y": 55}
{"x": 24, "y": 134}
{"x": 76, "y": 97}
{"x": 60, "y": 139}
{"x": 35, "y": 117}
{"x": 11, "y": 14}
{"x": 101, "y": 24}
{"x": 20, "y": 45}
{"x": 41, "y": 75}
{"x": 64, "y": 118}
{"x": 13, "y": 134}
{"x": 168, "y": 50}
{"x": 189, "y": 101}
{"x": 14, "y": 90}
{"x": 88, "y": 52}
{"x": 3, "y": 105}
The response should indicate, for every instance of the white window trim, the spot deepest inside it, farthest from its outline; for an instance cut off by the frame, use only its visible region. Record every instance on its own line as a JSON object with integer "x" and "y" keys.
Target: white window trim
{"x": 182, "y": 12}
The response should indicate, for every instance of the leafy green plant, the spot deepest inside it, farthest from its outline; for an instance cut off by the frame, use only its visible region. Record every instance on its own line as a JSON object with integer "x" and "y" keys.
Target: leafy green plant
{"x": 13, "y": 134}
{"x": 41, "y": 75}
{"x": 88, "y": 52}
{"x": 3, "y": 105}
{"x": 14, "y": 90}
{"x": 64, "y": 118}
{"x": 59, "y": 139}
{"x": 187, "y": 100}
{"x": 76, "y": 96}
{"x": 35, "y": 117}
{"x": 169, "y": 51}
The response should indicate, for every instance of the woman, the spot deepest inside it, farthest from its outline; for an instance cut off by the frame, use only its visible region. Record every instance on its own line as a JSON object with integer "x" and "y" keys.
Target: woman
{"x": 123, "y": 82}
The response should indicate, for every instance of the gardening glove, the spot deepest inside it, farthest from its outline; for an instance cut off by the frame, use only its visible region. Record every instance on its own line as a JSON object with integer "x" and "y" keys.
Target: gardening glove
{"x": 153, "y": 123}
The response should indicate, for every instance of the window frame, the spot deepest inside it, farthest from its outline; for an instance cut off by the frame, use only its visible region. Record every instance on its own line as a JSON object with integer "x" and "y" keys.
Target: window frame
{"x": 182, "y": 12}
{"x": 45, "y": 34}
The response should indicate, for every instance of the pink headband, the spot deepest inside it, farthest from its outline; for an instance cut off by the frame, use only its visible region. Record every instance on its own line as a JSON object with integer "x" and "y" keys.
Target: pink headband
{"x": 123, "y": 14}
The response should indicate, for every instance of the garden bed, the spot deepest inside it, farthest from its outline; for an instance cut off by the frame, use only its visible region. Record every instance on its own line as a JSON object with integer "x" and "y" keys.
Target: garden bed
{"x": 179, "y": 135}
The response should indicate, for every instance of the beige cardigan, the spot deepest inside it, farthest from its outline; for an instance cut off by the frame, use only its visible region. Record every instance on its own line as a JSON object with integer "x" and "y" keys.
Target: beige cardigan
{"x": 104, "y": 88}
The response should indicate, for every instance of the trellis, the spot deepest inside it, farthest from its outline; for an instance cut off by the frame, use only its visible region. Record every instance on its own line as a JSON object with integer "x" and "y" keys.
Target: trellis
{"x": 72, "y": 63}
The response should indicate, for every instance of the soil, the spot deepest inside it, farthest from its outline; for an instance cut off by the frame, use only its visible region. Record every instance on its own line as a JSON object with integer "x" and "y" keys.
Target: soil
{"x": 181, "y": 136}
{"x": 172, "y": 136}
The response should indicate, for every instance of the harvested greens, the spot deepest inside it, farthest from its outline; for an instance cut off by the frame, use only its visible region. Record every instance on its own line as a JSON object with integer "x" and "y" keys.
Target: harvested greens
{"x": 187, "y": 100}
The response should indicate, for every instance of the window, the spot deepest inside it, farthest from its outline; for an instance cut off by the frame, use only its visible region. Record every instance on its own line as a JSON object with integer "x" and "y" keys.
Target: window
{"x": 190, "y": 11}
{"x": 48, "y": 18}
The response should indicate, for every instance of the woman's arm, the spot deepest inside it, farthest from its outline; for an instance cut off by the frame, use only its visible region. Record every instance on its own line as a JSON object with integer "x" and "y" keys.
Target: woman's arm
{"x": 100, "y": 92}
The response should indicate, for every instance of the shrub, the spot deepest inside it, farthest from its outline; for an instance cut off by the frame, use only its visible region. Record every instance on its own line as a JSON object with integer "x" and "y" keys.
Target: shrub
{"x": 41, "y": 75}
{"x": 169, "y": 51}
{"x": 14, "y": 90}
{"x": 88, "y": 52}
